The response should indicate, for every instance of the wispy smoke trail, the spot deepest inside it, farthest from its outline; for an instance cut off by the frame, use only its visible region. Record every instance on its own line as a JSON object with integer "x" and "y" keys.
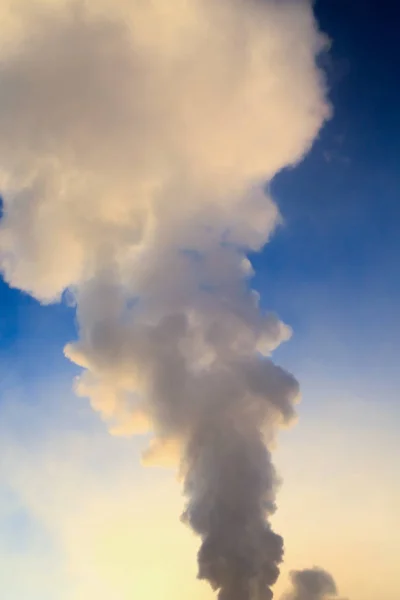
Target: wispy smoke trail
{"x": 134, "y": 137}
{"x": 312, "y": 584}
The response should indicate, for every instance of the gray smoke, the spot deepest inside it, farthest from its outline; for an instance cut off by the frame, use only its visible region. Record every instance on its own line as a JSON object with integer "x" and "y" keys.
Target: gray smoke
{"x": 312, "y": 584}
{"x": 135, "y": 141}
{"x": 231, "y": 482}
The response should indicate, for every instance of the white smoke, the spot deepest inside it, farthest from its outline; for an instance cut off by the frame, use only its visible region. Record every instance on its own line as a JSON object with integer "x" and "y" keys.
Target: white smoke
{"x": 135, "y": 138}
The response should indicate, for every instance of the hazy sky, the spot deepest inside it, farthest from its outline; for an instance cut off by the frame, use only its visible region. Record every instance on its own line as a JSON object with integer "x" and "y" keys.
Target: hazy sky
{"x": 81, "y": 518}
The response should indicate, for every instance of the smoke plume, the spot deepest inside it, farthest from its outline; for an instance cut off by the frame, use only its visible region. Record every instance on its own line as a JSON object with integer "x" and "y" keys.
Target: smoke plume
{"x": 312, "y": 584}
{"x": 135, "y": 142}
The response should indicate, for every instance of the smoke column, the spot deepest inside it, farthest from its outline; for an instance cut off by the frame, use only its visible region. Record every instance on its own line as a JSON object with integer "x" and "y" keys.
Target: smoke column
{"x": 135, "y": 141}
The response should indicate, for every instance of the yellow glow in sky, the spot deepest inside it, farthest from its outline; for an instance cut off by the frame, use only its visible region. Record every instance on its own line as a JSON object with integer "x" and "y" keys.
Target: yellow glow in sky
{"x": 114, "y": 526}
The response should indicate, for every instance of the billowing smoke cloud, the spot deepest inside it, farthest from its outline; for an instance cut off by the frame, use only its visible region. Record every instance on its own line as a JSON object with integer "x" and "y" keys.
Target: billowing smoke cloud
{"x": 312, "y": 584}
{"x": 134, "y": 140}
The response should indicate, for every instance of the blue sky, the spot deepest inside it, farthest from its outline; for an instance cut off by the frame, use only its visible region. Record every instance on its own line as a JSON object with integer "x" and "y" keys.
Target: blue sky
{"x": 330, "y": 271}
{"x": 334, "y": 263}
